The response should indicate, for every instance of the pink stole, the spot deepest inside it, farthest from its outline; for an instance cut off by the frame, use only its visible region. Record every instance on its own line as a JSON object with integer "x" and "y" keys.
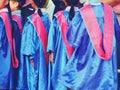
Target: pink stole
{"x": 19, "y": 22}
{"x": 41, "y": 30}
{"x": 5, "y": 17}
{"x": 95, "y": 32}
{"x": 64, "y": 27}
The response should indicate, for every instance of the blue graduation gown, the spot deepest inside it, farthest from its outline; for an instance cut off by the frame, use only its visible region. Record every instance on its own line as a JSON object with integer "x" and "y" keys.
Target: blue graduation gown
{"x": 5, "y": 57}
{"x": 33, "y": 77}
{"x": 56, "y": 44}
{"x": 17, "y": 38}
{"x": 86, "y": 70}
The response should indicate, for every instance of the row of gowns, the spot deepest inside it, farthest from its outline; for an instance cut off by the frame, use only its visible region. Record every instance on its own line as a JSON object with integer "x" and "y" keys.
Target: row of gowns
{"x": 84, "y": 69}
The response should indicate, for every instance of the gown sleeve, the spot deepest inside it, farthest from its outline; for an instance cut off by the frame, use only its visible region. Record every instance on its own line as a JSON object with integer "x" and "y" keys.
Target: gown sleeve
{"x": 75, "y": 32}
{"x": 28, "y": 39}
{"x": 52, "y": 37}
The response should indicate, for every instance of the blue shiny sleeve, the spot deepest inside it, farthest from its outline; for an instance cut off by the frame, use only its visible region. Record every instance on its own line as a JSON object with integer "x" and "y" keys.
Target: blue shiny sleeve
{"x": 28, "y": 39}
{"x": 52, "y": 37}
{"x": 75, "y": 32}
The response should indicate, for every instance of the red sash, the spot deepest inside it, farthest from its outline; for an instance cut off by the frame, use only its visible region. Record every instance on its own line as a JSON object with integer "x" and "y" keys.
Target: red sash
{"x": 41, "y": 30}
{"x": 10, "y": 38}
{"x": 19, "y": 22}
{"x": 64, "y": 27}
{"x": 95, "y": 31}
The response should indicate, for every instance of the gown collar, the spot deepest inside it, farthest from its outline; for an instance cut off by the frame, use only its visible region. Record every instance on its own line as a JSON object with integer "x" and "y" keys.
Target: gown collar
{"x": 4, "y": 10}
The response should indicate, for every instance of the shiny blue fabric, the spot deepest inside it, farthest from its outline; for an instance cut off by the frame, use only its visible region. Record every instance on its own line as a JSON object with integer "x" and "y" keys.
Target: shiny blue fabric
{"x": 5, "y": 58}
{"x": 57, "y": 46}
{"x": 17, "y": 37}
{"x": 86, "y": 70}
{"x": 32, "y": 77}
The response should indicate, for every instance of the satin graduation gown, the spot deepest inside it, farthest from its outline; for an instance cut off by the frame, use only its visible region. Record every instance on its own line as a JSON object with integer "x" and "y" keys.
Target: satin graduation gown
{"x": 57, "y": 44}
{"x": 5, "y": 56}
{"x": 33, "y": 77}
{"x": 86, "y": 70}
{"x": 18, "y": 26}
